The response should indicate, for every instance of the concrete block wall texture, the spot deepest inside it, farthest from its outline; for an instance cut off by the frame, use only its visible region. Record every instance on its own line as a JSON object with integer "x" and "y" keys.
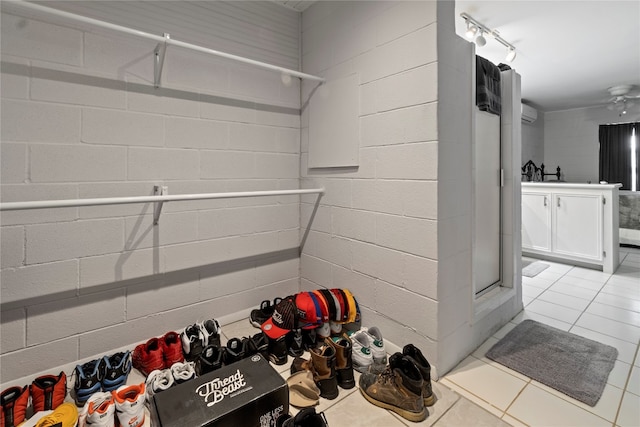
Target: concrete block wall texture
{"x": 376, "y": 230}
{"x": 397, "y": 230}
{"x": 81, "y": 119}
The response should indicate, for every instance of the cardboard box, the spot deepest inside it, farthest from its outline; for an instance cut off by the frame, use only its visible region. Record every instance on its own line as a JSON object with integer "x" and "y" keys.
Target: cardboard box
{"x": 244, "y": 394}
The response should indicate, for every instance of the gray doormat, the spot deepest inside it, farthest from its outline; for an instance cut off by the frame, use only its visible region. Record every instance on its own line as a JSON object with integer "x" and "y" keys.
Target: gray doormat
{"x": 533, "y": 269}
{"x": 573, "y": 365}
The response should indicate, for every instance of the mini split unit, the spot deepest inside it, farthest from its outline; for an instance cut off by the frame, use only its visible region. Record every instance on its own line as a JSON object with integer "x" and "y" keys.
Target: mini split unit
{"x": 529, "y": 114}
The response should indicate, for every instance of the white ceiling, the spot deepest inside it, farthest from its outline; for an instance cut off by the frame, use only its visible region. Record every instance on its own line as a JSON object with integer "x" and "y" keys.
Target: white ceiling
{"x": 568, "y": 52}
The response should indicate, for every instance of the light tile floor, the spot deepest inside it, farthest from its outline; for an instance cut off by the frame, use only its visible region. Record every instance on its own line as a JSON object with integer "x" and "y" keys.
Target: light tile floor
{"x": 351, "y": 409}
{"x": 480, "y": 392}
{"x": 590, "y": 303}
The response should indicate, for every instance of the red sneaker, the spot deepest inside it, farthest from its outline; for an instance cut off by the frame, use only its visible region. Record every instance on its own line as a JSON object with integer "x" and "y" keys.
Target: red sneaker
{"x": 148, "y": 356}
{"x": 48, "y": 392}
{"x": 171, "y": 349}
{"x": 13, "y": 406}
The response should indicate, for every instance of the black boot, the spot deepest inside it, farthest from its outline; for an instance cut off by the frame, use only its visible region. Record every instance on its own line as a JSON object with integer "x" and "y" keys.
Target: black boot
{"x": 423, "y": 366}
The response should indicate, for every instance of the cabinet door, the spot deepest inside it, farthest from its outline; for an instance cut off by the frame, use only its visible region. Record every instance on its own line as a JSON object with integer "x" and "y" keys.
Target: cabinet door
{"x": 536, "y": 221}
{"x": 578, "y": 225}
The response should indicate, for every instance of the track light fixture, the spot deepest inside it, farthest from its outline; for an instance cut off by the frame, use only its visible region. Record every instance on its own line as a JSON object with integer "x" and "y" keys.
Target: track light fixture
{"x": 472, "y": 30}
{"x": 475, "y": 27}
{"x": 480, "y": 40}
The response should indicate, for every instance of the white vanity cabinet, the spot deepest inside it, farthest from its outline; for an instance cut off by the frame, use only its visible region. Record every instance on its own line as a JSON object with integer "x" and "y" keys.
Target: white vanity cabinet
{"x": 576, "y": 222}
{"x": 536, "y": 214}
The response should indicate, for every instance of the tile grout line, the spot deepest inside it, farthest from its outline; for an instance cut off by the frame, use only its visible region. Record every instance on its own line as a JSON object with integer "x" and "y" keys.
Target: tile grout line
{"x": 626, "y": 385}
{"x": 506, "y": 411}
{"x": 449, "y": 408}
{"x": 575, "y": 324}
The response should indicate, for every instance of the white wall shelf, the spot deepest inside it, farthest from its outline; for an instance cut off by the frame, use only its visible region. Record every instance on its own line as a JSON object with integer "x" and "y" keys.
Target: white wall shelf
{"x": 37, "y": 10}
{"x": 159, "y": 199}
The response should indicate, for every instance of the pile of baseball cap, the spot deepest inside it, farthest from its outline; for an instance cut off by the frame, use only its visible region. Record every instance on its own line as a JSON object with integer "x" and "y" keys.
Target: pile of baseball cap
{"x": 310, "y": 310}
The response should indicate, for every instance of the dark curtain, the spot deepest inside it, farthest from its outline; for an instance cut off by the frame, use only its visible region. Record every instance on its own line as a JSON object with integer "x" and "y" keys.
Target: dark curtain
{"x": 615, "y": 154}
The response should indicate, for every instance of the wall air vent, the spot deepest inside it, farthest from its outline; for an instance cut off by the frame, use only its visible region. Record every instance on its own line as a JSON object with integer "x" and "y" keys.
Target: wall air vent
{"x": 529, "y": 114}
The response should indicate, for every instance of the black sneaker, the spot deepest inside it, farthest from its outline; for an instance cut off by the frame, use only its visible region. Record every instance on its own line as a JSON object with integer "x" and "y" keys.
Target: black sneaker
{"x": 210, "y": 332}
{"x": 88, "y": 380}
{"x": 193, "y": 341}
{"x": 260, "y": 315}
{"x": 116, "y": 370}
{"x": 307, "y": 417}
{"x": 277, "y": 350}
{"x": 209, "y": 360}
{"x": 256, "y": 344}
{"x": 294, "y": 343}
{"x": 261, "y": 342}
{"x": 235, "y": 351}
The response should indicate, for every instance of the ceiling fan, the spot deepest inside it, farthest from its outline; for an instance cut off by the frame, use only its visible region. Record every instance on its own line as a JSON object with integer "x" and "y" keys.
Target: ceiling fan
{"x": 622, "y": 97}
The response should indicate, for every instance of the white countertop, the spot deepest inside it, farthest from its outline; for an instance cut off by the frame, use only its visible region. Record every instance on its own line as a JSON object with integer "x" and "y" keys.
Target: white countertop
{"x": 571, "y": 185}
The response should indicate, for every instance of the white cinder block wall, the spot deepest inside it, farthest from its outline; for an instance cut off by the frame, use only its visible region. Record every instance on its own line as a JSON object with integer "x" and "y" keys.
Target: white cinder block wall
{"x": 376, "y": 229}
{"x": 397, "y": 229}
{"x": 81, "y": 119}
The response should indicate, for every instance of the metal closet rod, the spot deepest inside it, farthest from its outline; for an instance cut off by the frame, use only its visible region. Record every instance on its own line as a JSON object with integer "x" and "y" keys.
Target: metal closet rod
{"x": 44, "y": 204}
{"x": 162, "y": 39}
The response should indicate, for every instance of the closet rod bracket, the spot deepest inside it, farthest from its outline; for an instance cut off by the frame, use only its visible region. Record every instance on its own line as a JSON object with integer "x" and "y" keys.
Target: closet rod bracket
{"x": 158, "y": 60}
{"x": 158, "y": 190}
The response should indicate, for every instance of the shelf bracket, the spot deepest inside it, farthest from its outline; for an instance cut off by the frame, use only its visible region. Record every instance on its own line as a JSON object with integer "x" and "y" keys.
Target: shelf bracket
{"x": 158, "y": 60}
{"x": 158, "y": 190}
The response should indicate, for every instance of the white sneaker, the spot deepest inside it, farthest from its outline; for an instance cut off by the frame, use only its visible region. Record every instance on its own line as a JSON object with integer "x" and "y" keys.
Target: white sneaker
{"x": 360, "y": 354}
{"x": 99, "y": 411}
{"x": 130, "y": 404}
{"x": 376, "y": 344}
{"x": 324, "y": 330}
{"x": 182, "y": 372}
{"x": 157, "y": 381}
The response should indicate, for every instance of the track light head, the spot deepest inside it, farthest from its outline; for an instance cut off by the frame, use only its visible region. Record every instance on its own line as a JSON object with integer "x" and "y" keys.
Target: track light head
{"x": 471, "y": 32}
{"x": 477, "y": 30}
{"x": 480, "y": 40}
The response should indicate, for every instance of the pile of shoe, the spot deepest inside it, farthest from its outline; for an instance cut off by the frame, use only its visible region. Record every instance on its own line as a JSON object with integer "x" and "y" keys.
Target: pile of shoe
{"x": 47, "y": 393}
{"x": 104, "y": 374}
{"x": 201, "y": 344}
{"x": 195, "y": 338}
{"x": 404, "y": 386}
{"x": 330, "y": 365}
{"x": 124, "y": 406}
{"x": 158, "y": 353}
{"x": 214, "y": 357}
{"x": 299, "y": 322}
{"x": 163, "y": 379}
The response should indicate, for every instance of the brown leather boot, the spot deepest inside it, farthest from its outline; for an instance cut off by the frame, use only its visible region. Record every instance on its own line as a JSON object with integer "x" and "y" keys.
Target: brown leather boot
{"x": 344, "y": 363}
{"x": 323, "y": 366}
{"x": 398, "y": 388}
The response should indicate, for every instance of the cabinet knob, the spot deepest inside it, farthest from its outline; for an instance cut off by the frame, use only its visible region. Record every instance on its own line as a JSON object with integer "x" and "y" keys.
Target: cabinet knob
{"x": 558, "y": 199}
{"x": 545, "y": 200}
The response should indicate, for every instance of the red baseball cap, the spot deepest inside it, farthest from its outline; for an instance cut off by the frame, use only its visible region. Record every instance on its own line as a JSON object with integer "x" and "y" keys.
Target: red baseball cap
{"x": 282, "y": 320}
{"x": 310, "y": 313}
